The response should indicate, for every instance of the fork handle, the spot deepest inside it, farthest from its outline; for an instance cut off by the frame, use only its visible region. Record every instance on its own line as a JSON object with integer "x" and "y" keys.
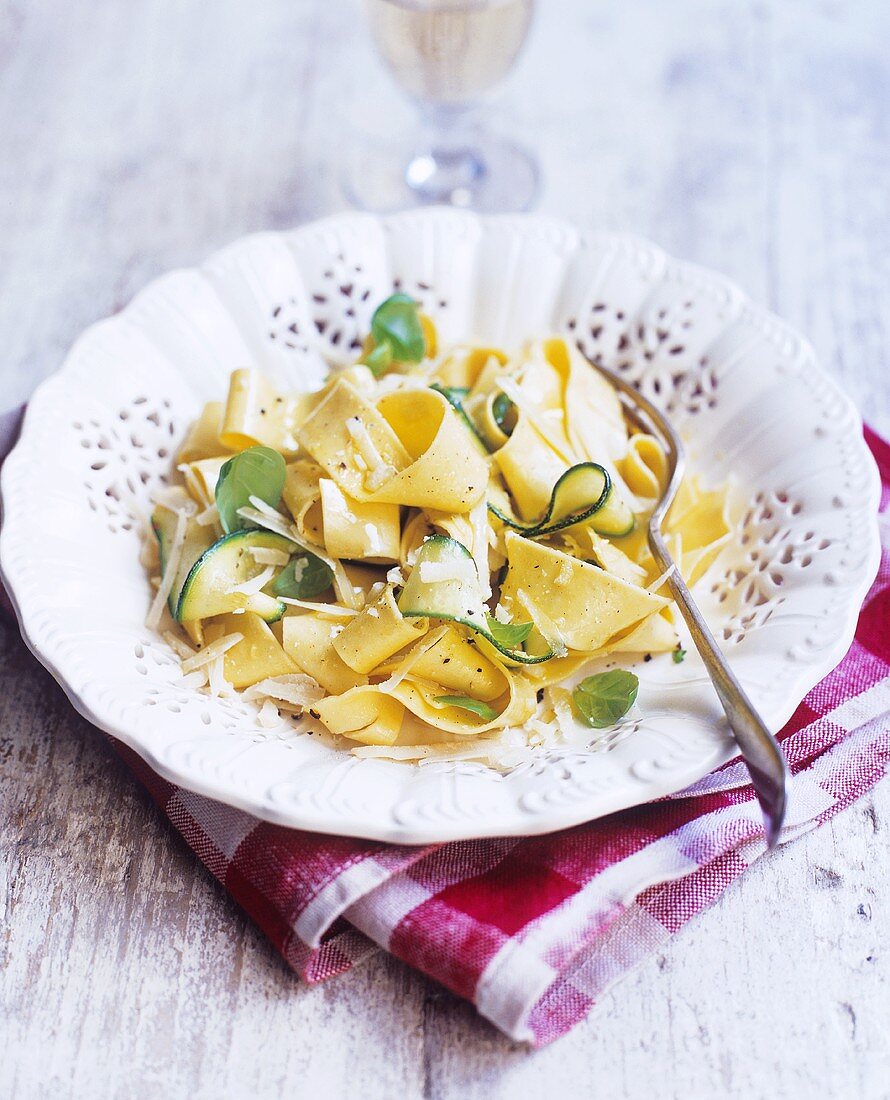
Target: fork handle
{"x": 759, "y": 748}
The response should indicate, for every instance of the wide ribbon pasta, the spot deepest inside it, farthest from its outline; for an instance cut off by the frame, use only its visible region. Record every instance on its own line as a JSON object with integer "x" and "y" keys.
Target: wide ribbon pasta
{"x": 454, "y": 542}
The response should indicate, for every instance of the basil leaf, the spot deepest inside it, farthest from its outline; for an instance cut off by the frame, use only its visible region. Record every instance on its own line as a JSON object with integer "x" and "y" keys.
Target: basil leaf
{"x": 256, "y": 472}
{"x": 466, "y": 703}
{"x": 601, "y": 700}
{"x": 397, "y": 322}
{"x": 509, "y": 635}
{"x": 303, "y": 577}
{"x": 504, "y": 412}
{"x": 379, "y": 359}
{"x": 679, "y": 655}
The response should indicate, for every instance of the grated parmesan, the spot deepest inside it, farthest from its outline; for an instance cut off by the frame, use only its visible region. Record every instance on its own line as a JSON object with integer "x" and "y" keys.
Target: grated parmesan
{"x": 659, "y": 581}
{"x": 218, "y": 684}
{"x": 182, "y": 649}
{"x": 268, "y": 716}
{"x": 322, "y": 608}
{"x": 264, "y": 516}
{"x": 211, "y": 652}
{"x": 478, "y": 518}
{"x": 265, "y": 555}
{"x": 157, "y": 604}
{"x": 268, "y": 517}
{"x": 412, "y": 657}
{"x": 295, "y": 688}
{"x": 564, "y": 576}
{"x": 196, "y": 679}
{"x": 395, "y": 575}
{"x": 367, "y": 456}
{"x": 438, "y": 572}
{"x": 209, "y": 517}
{"x": 175, "y": 499}
{"x": 149, "y": 556}
{"x": 255, "y": 584}
{"x": 547, "y": 628}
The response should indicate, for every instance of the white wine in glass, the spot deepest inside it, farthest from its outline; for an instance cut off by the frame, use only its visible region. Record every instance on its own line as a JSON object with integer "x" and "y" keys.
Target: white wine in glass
{"x": 449, "y": 53}
{"x": 446, "y": 54}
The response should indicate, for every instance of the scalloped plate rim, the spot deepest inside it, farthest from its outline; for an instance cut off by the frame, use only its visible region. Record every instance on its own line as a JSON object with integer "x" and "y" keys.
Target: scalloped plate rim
{"x": 309, "y": 817}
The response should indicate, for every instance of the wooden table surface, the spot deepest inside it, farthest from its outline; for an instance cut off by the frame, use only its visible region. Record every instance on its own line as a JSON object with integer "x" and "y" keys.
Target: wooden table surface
{"x": 749, "y": 136}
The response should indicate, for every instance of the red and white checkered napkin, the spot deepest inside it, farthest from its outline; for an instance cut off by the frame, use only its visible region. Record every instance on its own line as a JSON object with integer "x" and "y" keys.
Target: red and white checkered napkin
{"x": 533, "y": 930}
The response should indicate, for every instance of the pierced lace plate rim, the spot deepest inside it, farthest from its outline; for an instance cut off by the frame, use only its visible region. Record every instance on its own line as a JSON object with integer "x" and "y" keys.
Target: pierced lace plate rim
{"x": 330, "y": 819}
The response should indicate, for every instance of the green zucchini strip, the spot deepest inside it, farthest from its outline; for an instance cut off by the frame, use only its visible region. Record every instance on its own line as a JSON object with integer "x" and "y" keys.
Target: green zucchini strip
{"x": 454, "y": 395}
{"x": 458, "y": 598}
{"x": 206, "y": 589}
{"x": 584, "y": 492}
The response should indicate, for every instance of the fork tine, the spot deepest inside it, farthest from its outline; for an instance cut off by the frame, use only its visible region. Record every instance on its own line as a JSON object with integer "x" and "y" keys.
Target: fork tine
{"x": 757, "y": 745}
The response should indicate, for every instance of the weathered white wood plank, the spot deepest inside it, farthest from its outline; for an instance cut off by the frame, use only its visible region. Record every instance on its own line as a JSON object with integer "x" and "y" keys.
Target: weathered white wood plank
{"x": 750, "y": 137}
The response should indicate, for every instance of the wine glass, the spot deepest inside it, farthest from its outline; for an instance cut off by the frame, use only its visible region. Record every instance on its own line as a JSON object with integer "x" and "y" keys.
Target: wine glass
{"x": 445, "y": 54}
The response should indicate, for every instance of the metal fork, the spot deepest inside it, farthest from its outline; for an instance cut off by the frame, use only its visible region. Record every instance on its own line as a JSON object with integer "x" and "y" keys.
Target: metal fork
{"x": 759, "y": 748}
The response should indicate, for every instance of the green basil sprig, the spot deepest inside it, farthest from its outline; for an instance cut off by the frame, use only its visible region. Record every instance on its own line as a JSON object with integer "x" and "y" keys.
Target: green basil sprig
{"x": 303, "y": 577}
{"x": 508, "y": 635}
{"x": 466, "y": 703}
{"x": 601, "y": 700}
{"x": 256, "y": 472}
{"x": 397, "y": 333}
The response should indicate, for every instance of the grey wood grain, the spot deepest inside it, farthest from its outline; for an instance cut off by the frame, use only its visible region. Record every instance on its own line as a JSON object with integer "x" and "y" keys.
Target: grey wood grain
{"x": 752, "y": 137}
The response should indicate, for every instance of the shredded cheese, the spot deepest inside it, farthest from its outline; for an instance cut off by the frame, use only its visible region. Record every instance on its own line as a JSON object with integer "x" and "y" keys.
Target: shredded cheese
{"x": 323, "y": 608}
{"x": 395, "y": 575}
{"x": 659, "y": 581}
{"x": 218, "y": 684}
{"x": 211, "y": 652}
{"x": 546, "y": 626}
{"x": 295, "y": 688}
{"x": 175, "y": 553}
{"x": 564, "y": 576}
{"x": 478, "y": 518}
{"x": 437, "y": 572}
{"x": 562, "y": 711}
{"x": 255, "y": 584}
{"x": 175, "y": 499}
{"x": 268, "y": 716}
{"x": 378, "y": 471}
{"x": 412, "y": 657}
{"x": 180, "y": 648}
{"x": 265, "y": 555}
{"x": 148, "y": 553}
{"x": 196, "y": 679}
{"x": 209, "y": 517}
{"x": 264, "y": 516}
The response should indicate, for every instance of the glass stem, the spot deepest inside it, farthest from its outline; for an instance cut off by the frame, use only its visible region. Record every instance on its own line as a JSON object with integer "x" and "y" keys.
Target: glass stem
{"x": 447, "y": 167}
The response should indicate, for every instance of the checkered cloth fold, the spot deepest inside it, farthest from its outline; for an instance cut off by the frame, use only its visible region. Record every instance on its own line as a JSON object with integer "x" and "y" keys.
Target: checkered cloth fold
{"x": 533, "y": 930}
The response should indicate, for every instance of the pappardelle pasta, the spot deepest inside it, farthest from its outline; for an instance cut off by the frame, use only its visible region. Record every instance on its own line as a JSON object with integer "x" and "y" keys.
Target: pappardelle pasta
{"x": 421, "y": 555}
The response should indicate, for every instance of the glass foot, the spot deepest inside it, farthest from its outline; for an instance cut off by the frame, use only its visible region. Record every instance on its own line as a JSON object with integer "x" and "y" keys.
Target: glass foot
{"x": 488, "y": 174}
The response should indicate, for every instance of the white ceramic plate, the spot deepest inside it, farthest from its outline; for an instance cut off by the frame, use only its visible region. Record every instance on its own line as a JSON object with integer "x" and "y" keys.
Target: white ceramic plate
{"x": 743, "y": 388}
